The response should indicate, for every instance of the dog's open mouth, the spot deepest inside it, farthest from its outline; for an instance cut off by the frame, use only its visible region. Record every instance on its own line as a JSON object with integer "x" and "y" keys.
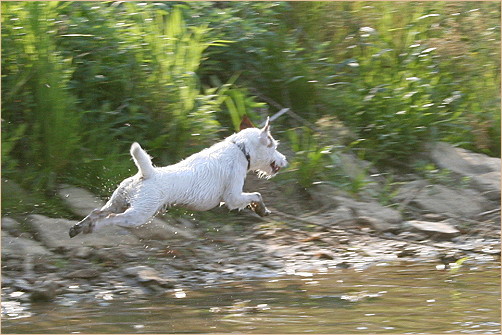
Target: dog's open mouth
{"x": 275, "y": 167}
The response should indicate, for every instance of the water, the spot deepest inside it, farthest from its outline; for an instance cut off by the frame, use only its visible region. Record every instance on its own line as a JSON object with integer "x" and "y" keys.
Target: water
{"x": 394, "y": 298}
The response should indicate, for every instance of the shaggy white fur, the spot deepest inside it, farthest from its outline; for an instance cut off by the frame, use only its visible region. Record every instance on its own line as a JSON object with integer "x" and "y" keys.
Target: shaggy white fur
{"x": 200, "y": 182}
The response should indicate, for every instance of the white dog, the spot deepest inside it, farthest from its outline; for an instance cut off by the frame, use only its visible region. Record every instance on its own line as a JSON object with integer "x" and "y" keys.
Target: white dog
{"x": 200, "y": 182}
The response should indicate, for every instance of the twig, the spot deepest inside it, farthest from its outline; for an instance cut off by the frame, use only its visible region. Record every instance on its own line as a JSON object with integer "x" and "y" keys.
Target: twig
{"x": 490, "y": 212}
{"x": 276, "y": 115}
{"x": 289, "y": 111}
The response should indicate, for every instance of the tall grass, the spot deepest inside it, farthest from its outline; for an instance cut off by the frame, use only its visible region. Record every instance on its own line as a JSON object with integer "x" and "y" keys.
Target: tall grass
{"x": 171, "y": 53}
{"x": 52, "y": 120}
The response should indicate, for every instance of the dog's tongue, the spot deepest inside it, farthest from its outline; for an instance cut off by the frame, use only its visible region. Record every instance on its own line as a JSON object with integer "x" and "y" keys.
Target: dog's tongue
{"x": 275, "y": 168}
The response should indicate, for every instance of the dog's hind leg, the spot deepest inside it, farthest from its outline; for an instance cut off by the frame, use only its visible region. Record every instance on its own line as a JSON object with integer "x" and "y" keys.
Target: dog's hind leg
{"x": 132, "y": 217}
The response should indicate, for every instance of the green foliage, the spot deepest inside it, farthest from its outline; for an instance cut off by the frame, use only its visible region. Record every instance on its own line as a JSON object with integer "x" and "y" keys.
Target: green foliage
{"x": 238, "y": 104}
{"x": 395, "y": 90}
{"x": 435, "y": 175}
{"x": 53, "y": 128}
{"x": 310, "y": 160}
{"x": 81, "y": 81}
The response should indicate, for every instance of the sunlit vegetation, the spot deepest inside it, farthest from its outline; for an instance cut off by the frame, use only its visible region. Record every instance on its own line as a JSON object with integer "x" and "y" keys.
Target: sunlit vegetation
{"x": 82, "y": 80}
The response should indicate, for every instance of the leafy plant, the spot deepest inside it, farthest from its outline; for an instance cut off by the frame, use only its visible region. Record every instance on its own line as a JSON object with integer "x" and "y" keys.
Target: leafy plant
{"x": 310, "y": 160}
{"x": 436, "y": 175}
{"x": 53, "y": 123}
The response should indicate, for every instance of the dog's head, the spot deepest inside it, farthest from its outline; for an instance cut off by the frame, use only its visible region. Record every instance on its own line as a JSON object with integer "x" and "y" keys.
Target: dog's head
{"x": 262, "y": 147}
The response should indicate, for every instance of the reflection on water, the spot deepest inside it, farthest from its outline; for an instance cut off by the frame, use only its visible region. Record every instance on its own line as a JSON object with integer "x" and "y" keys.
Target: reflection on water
{"x": 382, "y": 299}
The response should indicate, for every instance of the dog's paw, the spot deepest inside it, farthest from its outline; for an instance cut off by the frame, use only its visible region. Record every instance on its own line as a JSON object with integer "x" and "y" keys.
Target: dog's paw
{"x": 259, "y": 208}
{"x": 75, "y": 230}
{"x": 85, "y": 226}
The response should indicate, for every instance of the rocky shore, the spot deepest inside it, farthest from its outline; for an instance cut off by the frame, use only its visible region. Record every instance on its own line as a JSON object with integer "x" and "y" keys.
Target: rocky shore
{"x": 447, "y": 223}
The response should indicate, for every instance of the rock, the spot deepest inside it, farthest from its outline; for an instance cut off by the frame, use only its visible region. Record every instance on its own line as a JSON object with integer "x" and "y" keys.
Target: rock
{"x": 488, "y": 184}
{"x": 376, "y": 224}
{"x": 158, "y": 229}
{"x": 352, "y": 166}
{"x": 348, "y": 208}
{"x": 83, "y": 273}
{"x": 110, "y": 256}
{"x": 20, "y": 247}
{"x": 389, "y": 218}
{"x": 81, "y": 252}
{"x": 434, "y": 229}
{"x": 325, "y": 254}
{"x": 463, "y": 161}
{"x": 483, "y": 170}
{"x": 79, "y": 200}
{"x": 45, "y": 291}
{"x": 53, "y": 233}
{"x": 433, "y": 217}
{"x": 12, "y": 226}
{"x": 406, "y": 252}
{"x": 324, "y": 194}
{"x": 443, "y": 200}
{"x": 412, "y": 236}
{"x": 22, "y": 284}
{"x": 147, "y": 275}
{"x": 340, "y": 216}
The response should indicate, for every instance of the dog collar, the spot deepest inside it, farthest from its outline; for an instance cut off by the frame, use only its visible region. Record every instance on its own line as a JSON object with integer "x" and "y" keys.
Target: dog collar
{"x": 246, "y": 154}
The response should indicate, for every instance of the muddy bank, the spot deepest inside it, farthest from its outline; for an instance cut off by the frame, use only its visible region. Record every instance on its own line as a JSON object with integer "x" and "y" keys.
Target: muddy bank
{"x": 325, "y": 230}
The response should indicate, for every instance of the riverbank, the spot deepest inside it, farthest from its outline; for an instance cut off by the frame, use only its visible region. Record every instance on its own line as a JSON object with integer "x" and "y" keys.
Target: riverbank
{"x": 321, "y": 231}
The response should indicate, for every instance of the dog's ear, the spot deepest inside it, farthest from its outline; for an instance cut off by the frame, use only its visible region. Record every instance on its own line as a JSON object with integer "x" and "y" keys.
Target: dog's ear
{"x": 266, "y": 128}
{"x": 265, "y": 133}
{"x": 246, "y": 123}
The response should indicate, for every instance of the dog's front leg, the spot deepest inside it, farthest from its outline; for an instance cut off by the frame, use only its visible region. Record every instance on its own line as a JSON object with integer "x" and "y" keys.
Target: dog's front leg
{"x": 242, "y": 199}
{"x": 234, "y": 198}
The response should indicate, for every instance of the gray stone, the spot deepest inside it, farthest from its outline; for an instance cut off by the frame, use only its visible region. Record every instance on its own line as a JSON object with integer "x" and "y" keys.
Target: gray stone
{"x": 158, "y": 229}
{"x": 147, "y": 275}
{"x": 340, "y": 216}
{"x": 376, "y": 224}
{"x": 20, "y": 247}
{"x": 437, "y": 229}
{"x": 81, "y": 252}
{"x": 352, "y": 166}
{"x": 83, "y": 273}
{"x": 483, "y": 170}
{"x": 443, "y": 200}
{"x": 22, "y": 284}
{"x": 433, "y": 217}
{"x": 371, "y": 209}
{"x": 463, "y": 161}
{"x": 45, "y": 291}
{"x": 488, "y": 184}
{"x": 79, "y": 200}
{"x": 53, "y": 233}
{"x": 324, "y": 194}
{"x": 10, "y": 225}
{"x": 348, "y": 208}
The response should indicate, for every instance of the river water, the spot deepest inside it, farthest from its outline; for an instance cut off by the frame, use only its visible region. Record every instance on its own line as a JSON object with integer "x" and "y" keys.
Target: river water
{"x": 390, "y": 298}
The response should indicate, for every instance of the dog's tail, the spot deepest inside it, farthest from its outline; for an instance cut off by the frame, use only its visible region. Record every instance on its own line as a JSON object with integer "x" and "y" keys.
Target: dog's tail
{"x": 142, "y": 161}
